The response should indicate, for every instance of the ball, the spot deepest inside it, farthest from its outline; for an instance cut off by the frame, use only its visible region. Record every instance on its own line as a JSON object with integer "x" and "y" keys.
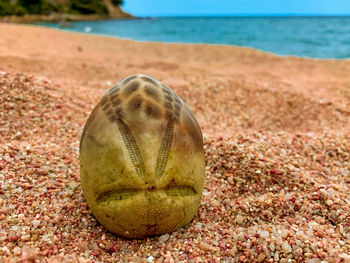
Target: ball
{"x": 141, "y": 157}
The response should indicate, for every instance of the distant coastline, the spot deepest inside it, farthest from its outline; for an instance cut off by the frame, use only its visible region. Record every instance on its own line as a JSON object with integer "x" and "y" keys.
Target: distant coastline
{"x": 57, "y": 18}
{"x": 243, "y": 15}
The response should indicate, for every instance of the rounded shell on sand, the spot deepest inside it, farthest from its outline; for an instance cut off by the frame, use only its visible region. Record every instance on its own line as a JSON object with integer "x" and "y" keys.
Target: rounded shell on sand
{"x": 142, "y": 160}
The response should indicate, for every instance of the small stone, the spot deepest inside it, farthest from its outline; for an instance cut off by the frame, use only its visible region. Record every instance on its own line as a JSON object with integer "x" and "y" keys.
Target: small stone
{"x": 55, "y": 259}
{"x": 18, "y": 135}
{"x": 198, "y": 225}
{"x": 25, "y": 237}
{"x": 36, "y": 223}
{"x": 329, "y": 202}
{"x": 57, "y": 219}
{"x": 276, "y": 257}
{"x": 284, "y": 233}
{"x": 216, "y": 203}
{"x": 227, "y": 202}
{"x": 108, "y": 245}
{"x": 28, "y": 255}
{"x": 73, "y": 185}
{"x": 231, "y": 181}
{"x": 263, "y": 233}
{"x": 164, "y": 238}
{"x": 205, "y": 246}
{"x": 286, "y": 247}
{"x": 239, "y": 219}
{"x": 6, "y": 250}
{"x": 17, "y": 251}
{"x": 233, "y": 251}
{"x": 150, "y": 259}
{"x": 261, "y": 257}
{"x": 313, "y": 225}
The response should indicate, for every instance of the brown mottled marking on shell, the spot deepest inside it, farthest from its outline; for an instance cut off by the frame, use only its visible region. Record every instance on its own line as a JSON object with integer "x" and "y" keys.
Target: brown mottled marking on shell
{"x": 177, "y": 106}
{"x": 156, "y": 100}
{"x": 168, "y": 105}
{"x": 104, "y": 100}
{"x": 114, "y": 96}
{"x": 168, "y": 98}
{"x": 131, "y": 88}
{"x": 106, "y": 106}
{"x": 111, "y": 117}
{"x": 152, "y": 92}
{"x": 169, "y": 115}
{"x": 119, "y": 112}
{"x": 152, "y": 110}
{"x": 109, "y": 112}
{"x": 114, "y": 90}
{"x": 135, "y": 103}
{"x": 116, "y": 102}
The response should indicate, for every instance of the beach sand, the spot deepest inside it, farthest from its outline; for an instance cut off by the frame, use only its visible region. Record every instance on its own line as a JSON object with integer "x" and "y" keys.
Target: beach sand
{"x": 277, "y": 143}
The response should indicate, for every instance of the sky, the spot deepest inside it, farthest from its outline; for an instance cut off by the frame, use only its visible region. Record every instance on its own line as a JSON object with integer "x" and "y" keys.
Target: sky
{"x": 231, "y": 7}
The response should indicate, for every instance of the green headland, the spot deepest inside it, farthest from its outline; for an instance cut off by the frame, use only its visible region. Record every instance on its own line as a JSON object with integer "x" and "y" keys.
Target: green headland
{"x": 60, "y": 10}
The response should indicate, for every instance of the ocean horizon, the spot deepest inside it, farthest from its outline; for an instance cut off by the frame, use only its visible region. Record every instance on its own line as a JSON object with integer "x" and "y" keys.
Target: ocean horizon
{"x": 312, "y": 36}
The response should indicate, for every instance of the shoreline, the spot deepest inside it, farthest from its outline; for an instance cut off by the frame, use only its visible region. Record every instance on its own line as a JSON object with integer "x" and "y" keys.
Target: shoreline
{"x": 190, "y": 43}
{"x": 196, "y": 43}
{"x": 103, "y": 18}
{"x": 68, "y": 29}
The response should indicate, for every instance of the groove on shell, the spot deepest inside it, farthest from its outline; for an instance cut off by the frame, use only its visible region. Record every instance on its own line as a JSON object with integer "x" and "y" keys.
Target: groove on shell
{"x": 133, "y": 149}
{"x": 163, "y": 154}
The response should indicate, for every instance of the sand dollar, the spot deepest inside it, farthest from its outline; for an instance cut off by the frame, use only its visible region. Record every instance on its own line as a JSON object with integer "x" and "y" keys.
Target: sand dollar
{"x": 142, "y": 160}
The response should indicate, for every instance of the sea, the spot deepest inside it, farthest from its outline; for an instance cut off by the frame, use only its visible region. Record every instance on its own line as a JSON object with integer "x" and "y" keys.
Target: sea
{"x": 319, "y": 37}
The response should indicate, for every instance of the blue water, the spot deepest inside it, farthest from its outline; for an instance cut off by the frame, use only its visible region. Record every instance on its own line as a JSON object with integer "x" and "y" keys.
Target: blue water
{"x": 315, "y": 37}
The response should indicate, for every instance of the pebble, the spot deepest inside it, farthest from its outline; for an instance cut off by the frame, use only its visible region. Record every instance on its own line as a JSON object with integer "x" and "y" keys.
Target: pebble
{"x": 286, "y": 247}
{"x": 28, "y": 255}
{"x": 163, "y": 238}
{"x": 284, "y": 233}
{"x": 36, "y": 223}
{"x": 261, "y": 257}
{"x": 313, "y": 260}
{"x": 17, "y": 251}
{"x": 73, "y": 185}
{"x": 150, "y": 259}
{"x": 276, "y": 257}
{"x": 198, "y": 225}
{"x": 25, "y": 237}
{"x": 329, "y": 202}
{"x": 239, "y": 219}
{"x": 263, "y": 234}
{"x": 205, "y": 246}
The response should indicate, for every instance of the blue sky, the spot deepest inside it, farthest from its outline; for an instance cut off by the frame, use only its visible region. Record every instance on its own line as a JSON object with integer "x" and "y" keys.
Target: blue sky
{"x": 212, "y": 7}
